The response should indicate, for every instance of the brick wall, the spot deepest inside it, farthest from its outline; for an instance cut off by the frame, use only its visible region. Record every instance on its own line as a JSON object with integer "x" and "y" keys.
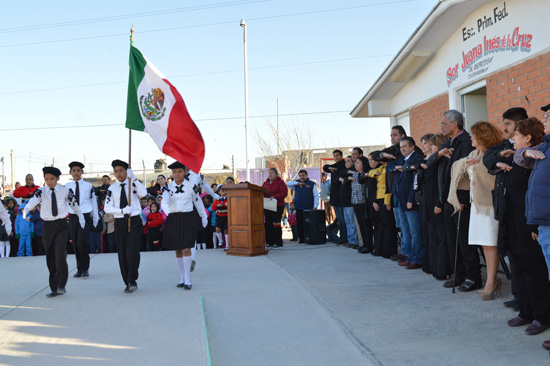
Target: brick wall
{"x": 510, "y": 87}
{"x": 426, "y": 117}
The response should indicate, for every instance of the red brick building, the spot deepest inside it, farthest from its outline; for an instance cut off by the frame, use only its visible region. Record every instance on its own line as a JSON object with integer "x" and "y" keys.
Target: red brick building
{"x": 477, "y": 56}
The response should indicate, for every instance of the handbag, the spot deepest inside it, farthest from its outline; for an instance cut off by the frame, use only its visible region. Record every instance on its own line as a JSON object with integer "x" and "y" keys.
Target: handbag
{"x": 270, "y": 204}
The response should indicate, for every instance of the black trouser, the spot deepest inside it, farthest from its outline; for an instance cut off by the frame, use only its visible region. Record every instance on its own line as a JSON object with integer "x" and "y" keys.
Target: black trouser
{"x": 439, "y": 251}
{"x": 55, "y": 235}
{"x": 300, "y": 225}
{"x": 365, "y": 225}
{"x": 532, "y": 286}
{"x": 389, "y": 228}
{"x": 273, "y": 230}
{"x": 81, "y": 241}
{"x": 128, "y": 244}
{"x": 468, "y": 266}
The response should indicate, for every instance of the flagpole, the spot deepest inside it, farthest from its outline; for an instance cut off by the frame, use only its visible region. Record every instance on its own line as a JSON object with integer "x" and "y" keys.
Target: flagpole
{"x": 130, "y": 148}
{"x": 243, "y": 24}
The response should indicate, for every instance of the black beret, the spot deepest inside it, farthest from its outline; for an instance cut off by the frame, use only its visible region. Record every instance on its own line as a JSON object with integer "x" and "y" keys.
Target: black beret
{"x": 121, "y": 163}
{"x": 176, "y": 165}
{"x": 76, "y": 163}
{"x": 51, "y": 170}
{"x": 545, "y": 108}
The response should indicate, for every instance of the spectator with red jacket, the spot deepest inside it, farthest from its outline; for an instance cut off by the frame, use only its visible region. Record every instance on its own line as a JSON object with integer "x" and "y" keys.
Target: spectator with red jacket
{"x": 277, "y": 190}
{"x": 152, "y": 228}
{"x": 25, "y": 192}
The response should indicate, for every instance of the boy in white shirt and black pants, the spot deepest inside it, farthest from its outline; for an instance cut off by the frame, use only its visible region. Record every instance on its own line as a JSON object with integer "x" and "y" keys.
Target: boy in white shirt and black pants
{"x": 84, "y": 194}
{"x": 55, "y": 200}
{"x": 126, "y": 209}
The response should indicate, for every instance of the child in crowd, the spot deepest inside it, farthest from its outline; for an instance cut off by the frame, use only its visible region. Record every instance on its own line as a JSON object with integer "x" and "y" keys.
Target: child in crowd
{"x": 204, "y": 233}
{"x": 37, "y": 246}
{"x": 5, "y": 231}
{"x": 24, "y": 231}
{"x": 220, "y": 206}
{"x": 109, "y": 244}
{"x": 153, "y": 228}
{"x": 12, "y": 210}
{"x": 293, "y": 222}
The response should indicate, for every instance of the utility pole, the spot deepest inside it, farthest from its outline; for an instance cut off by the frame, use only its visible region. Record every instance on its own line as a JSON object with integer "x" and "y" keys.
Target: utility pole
{"x": 233, "y": 166}
{"x": 12, "y": 184}
{"x": 53, "y": 161}
{"x": 278, "y": 152}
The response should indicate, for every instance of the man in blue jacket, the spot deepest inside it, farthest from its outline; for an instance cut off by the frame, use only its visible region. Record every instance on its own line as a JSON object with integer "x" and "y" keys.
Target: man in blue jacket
{"x": 403, "y": 196}
{"x": 305, "y": 198}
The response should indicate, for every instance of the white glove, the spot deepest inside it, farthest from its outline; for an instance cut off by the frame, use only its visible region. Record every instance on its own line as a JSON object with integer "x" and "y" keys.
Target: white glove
{"x": 82, "y": 222}
{"x": 95, "y": 221}
{"x": 131, "y": 175}
{"x": 127, "y": 210}
{"x": 204, "y": 222}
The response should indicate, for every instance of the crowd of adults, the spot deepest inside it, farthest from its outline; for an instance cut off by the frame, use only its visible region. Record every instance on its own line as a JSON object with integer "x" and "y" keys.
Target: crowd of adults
{"x": 453, "y": 203}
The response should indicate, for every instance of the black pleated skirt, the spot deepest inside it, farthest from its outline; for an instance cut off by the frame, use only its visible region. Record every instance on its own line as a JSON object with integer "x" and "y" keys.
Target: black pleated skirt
{"x": 180, "y": 230}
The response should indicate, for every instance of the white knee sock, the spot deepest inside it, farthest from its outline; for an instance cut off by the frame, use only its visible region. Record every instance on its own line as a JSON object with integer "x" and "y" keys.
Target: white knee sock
{"x": 220, "y": 238}
{"x": 179, "y": 261}
{"x": 227, "y": 241}
{"x": 187, "y": 270}
{"x": 193, "y": 250}
{"x": 214, "y": 240}
{"x": 3, "y": 245}
{"x": 203, "y": 245}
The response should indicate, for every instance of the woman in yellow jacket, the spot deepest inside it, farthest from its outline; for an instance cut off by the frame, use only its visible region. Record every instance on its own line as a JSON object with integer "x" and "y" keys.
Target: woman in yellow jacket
{"x": 386, "y": 245}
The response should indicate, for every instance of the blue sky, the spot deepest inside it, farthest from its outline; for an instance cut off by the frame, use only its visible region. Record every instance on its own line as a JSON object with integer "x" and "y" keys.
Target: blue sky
{"x": 315, "y": 56}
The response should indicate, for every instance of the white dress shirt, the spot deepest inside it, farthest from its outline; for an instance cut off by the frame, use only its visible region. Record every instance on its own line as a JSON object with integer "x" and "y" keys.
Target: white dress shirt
{"x": 5, "y": 217}
{"x": 64, "y": 197}
{"x": 88, "y": 199}
{"x": 292, "y": 185}
{"x": 112, "y": 200}
{"x": 182, "y": 198}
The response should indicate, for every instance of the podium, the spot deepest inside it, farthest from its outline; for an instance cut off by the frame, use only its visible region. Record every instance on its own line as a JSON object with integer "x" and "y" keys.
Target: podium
{"x": 246, "y": 219}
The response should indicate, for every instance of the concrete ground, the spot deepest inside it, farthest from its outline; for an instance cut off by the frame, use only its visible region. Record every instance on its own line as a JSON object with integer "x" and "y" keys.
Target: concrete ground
{"x": 298, "y": 305}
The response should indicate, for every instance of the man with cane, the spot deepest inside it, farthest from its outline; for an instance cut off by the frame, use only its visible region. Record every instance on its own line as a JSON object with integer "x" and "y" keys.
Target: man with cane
{"x": 467, "y": 269}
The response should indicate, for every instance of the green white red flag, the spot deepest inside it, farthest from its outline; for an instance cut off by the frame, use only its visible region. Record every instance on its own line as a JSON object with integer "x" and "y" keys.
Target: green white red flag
{"x": 156, "y": 107}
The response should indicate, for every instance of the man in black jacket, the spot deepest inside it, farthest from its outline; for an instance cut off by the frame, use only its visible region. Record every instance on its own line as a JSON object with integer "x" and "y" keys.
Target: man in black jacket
{"x": 336, "y": 170}
{"x": 468, "y": 270}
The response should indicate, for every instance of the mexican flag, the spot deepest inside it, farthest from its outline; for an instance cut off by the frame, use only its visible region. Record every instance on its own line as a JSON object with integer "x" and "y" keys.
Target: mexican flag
{"x": 156, "y": 107}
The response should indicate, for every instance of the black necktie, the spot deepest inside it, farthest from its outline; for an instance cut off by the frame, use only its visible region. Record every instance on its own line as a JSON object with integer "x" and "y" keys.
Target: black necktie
{"x": 179, "y": 189}
{"x": 77, "y": 194}
{"x": 54, "y": 203}
{"x": 123, "y": 198}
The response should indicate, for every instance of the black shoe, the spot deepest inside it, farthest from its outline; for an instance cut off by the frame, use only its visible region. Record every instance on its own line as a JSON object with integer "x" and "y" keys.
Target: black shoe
{"x": 77, "y": 275}
{"x": 132, "y": 286}
{"x": 127, "y": 290}
{"x": 355, "y": 246}
{"x": 187, "y": 287}
{"x": 180, "y": 285}
{"x": 193, "y": 265}
{"x": 449, "y": 284}
{"x": 440, "y": 277}
{"x": 61, "y": 290}
{"x": 469, "y": 285}
{"x": 85, "y": 274}
{"x": 52, "y": 294}
{"x": 511, "y": 303}
{"x": 364, "y": 250}
{"x": 341, "y": 242}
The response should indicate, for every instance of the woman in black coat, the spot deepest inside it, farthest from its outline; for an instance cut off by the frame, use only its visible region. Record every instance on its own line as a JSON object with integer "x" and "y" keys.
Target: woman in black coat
{"x": 436, "y": 256}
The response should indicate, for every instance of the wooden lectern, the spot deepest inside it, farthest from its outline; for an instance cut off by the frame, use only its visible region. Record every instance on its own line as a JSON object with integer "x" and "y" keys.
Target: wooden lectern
{"x": 246, "y": 219}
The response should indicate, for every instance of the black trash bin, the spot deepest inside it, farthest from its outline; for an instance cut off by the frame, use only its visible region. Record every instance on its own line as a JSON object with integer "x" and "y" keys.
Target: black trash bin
{"x": 315, "y": 230}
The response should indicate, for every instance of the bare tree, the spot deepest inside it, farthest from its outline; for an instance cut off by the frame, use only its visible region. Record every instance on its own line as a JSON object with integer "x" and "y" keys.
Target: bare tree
{"x": 290, "y": 148}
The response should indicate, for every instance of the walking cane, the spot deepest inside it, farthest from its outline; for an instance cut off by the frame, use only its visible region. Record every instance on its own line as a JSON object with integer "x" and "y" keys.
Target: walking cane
{"x": 456, "y": 250}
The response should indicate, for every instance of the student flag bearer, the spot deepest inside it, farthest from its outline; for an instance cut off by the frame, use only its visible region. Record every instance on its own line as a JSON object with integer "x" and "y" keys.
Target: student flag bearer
{"x": 179, "y": 199}
{"x": 84, "y": 194}
{"x": 123, "y": 202}
{"x": 55, "y": 200}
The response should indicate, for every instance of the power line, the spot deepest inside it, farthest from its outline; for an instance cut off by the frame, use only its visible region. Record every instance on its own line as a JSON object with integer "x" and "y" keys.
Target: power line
{"x": 197, "y": 120}
{"x": 200, "y": 74}
{"x": 205, "y": 25}
{"x": 128, "y": 16}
